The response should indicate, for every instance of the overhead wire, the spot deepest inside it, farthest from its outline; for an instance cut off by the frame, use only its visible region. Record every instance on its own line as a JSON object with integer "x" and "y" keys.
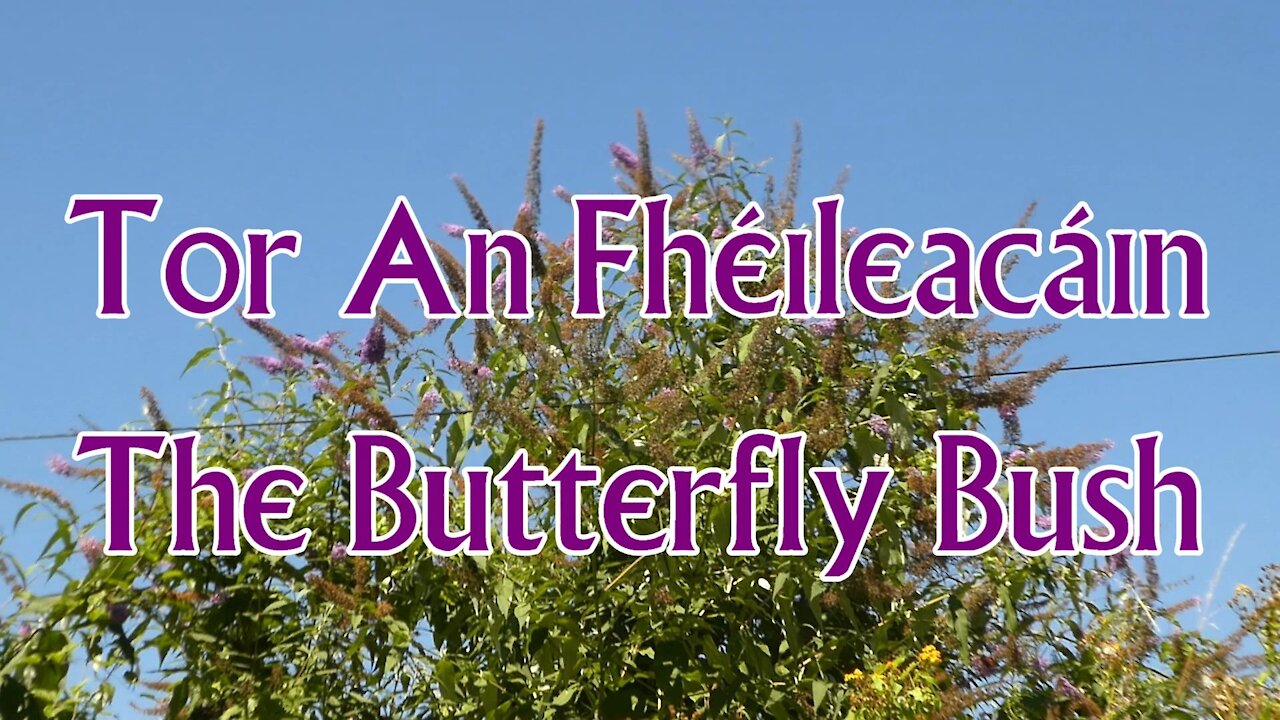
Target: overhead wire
{"x": 284, "y": 422}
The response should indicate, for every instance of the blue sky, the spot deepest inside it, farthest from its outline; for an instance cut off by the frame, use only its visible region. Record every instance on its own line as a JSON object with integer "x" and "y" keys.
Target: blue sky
{"x": 1158, "y": 114}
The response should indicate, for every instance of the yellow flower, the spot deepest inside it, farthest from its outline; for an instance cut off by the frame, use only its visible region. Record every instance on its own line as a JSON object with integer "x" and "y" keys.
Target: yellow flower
{"x": 929, "y": 655}
{"x": 853, "y": 675}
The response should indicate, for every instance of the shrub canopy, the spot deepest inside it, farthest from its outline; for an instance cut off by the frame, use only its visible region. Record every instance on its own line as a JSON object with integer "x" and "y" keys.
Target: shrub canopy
{"x": 327, "y": 635}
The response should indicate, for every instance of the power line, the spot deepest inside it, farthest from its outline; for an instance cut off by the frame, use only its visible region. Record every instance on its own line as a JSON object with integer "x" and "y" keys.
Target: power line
{"x": 272, "y": 423}
{"x": 1142, "y": 363}
{"x": 463, "y": 411}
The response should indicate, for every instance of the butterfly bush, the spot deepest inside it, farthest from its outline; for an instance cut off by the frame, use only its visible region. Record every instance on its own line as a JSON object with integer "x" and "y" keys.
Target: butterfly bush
{"x": 326, "y": 634}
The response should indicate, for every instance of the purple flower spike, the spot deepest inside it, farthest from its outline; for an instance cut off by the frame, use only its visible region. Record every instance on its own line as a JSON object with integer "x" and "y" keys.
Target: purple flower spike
{"x": 454, "y": 231}
{"x": 823, "y": 328}
{"x": 701, "y": 152}
{"x": 324, "y": 342}
{"x": 338, "y": 552}
{"x": 623, "y": 155}
{"x": 91, "y": 548}
{"x": 1117, "y": 562}
{"x": 984, "y": 665}
{"x": 879, "y": 426}
{"x": 277, "y": 366}
{"x": 117, "y": 613}
{"x": 1064, "y": 686}
{"x": 61, "y": 466}
{"x": 431, "y": 400}
{"x": 374, "y": 346}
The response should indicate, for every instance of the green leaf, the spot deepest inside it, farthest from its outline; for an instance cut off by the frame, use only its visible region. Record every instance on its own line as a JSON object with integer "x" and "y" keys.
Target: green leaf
{"x": 505, "y": 589}
{"x": 744, "y": 344}
{"x": 446, "y": 678}
{"x": 819, "y": 692}
{"x": 195, "y": 360}
{"x": 962, "y": 633}
{"x": 23, "y": 511}
{"x": 178, "y": 699}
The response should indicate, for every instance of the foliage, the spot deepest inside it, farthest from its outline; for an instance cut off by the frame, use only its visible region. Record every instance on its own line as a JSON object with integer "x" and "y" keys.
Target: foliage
{"x": 326, "y": 635}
